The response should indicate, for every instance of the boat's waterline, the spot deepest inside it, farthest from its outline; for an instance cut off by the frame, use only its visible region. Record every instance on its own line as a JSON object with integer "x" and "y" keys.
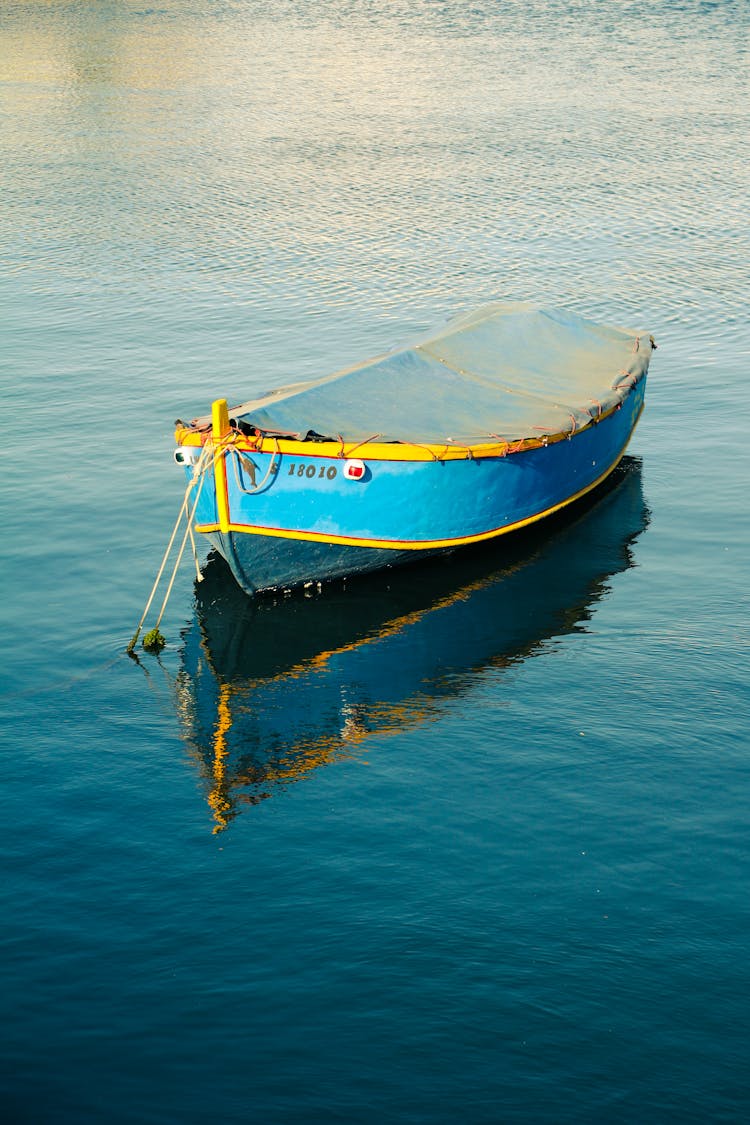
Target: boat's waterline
{"x": 306, "y": 521}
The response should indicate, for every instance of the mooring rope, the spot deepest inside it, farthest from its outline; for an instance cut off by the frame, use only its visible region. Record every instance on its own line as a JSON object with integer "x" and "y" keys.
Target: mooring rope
{"x": 201, "y": 467}
{"x": 198, "y": 575}
{"x": 157, "y": 638}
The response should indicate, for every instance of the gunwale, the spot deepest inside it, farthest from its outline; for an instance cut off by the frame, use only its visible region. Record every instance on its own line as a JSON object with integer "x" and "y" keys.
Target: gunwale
{"x": 386, "y": 451}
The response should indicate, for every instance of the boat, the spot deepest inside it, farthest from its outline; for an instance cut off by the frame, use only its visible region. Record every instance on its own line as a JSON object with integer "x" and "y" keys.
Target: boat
{"x": 272, "y": 689}
{"x": 498, "y": 419}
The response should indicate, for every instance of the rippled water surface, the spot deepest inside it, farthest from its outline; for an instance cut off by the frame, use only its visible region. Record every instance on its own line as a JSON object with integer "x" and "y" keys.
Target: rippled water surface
{"x": 462, "y": 843}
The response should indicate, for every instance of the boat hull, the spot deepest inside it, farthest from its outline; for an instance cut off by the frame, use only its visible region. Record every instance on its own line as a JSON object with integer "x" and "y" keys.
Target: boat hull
{"x": 270, "y": 690}
{"x": 283, "y": 520}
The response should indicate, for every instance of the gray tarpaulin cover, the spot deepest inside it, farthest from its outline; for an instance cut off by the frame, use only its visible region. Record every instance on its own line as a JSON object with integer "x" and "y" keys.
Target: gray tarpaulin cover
{"x": 507, "y": 371}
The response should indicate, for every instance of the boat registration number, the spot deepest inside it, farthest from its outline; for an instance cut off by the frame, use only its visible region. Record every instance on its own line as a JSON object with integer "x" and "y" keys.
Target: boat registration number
{"x": 307, "y": 472}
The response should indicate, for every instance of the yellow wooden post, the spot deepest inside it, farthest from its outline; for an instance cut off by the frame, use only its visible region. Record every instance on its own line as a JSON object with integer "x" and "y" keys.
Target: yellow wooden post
{"x": 219, "y": 430}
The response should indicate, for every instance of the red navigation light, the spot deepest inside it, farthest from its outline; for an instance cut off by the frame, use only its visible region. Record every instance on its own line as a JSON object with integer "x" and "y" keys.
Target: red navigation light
{"x": 354, "y": 470}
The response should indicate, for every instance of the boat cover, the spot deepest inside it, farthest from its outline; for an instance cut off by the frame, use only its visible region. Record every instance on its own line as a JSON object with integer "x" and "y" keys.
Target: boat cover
{"x": 507, "y": 371}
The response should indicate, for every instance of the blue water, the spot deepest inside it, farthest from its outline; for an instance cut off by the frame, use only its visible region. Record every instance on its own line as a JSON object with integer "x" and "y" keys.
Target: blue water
{"x": 465, "y": 843}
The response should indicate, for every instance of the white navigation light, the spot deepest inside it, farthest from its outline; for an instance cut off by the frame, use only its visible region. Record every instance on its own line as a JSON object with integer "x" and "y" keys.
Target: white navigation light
{"x": 187, "y": 454}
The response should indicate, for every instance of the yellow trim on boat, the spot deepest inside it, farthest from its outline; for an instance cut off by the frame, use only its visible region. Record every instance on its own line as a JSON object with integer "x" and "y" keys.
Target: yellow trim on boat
{"x": 413, "y": 544}
{"x": 381, "y": 450}
{"x": 219, "y": 431}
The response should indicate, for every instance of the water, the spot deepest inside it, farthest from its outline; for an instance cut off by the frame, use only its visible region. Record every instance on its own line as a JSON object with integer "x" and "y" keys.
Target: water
{"x": 466, "y": 843}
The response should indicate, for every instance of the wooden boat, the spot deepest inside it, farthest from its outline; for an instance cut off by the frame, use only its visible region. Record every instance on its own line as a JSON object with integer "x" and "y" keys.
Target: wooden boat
{"x": 497, "y": 420}
{"x": 271, "y": 689}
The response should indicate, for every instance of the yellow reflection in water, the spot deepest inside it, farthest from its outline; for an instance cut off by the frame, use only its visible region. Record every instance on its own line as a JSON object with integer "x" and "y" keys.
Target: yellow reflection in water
{"x": 217, "y": 797}
{"x": 302, "y": 752}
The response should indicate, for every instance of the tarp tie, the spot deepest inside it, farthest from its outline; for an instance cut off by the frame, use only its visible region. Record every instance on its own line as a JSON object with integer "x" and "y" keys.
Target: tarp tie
{"x": 462, "y": 445}
{"x": 359, "y": 444}
{"x": 416, "y": 445}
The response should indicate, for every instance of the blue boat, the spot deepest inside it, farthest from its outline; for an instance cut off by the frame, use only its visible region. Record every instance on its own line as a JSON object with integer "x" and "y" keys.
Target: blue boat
{"x": 499, "y": 419}
{"x": 272, "y": 689}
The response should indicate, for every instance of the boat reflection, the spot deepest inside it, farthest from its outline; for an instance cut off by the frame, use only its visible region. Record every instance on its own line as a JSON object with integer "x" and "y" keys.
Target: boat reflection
{"x": 270, "y": 689}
